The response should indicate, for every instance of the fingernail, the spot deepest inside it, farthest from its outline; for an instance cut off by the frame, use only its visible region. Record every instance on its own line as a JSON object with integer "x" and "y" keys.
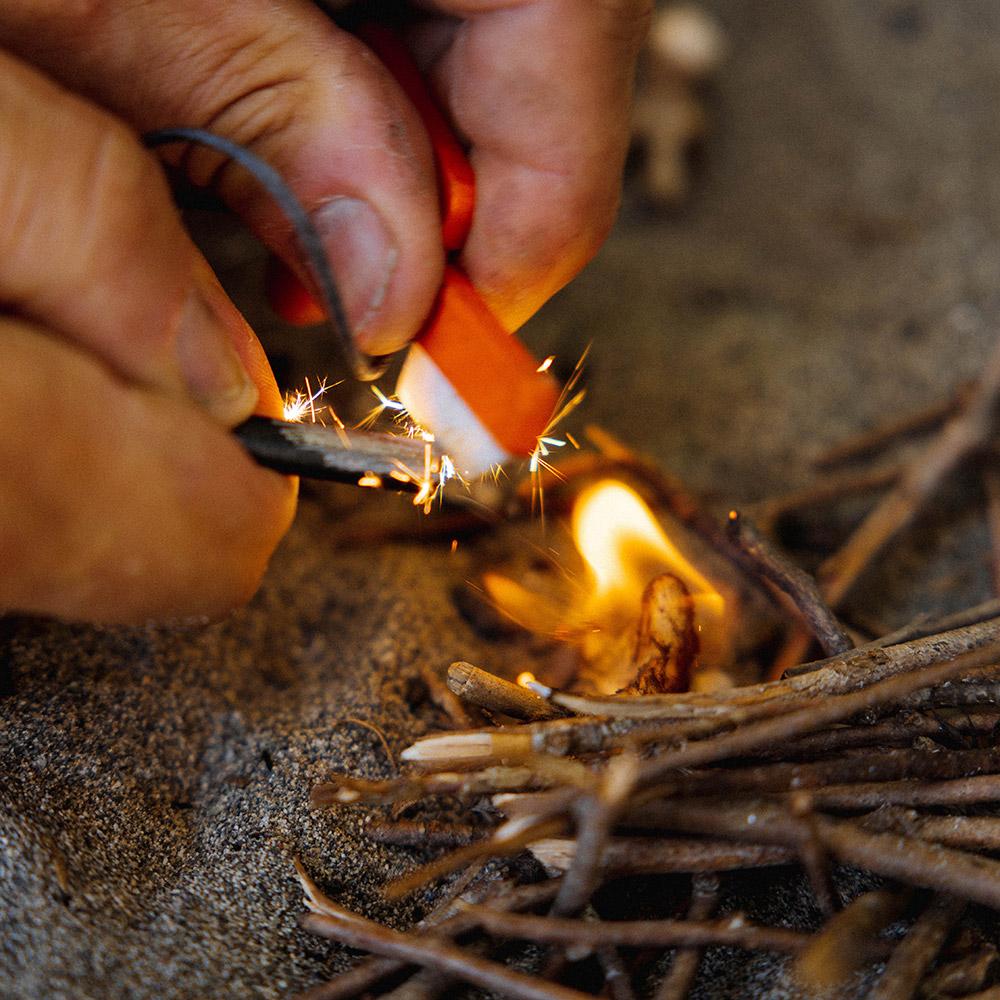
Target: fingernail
{"x": 362, "y": 257}
{"x": 215, "y": 376}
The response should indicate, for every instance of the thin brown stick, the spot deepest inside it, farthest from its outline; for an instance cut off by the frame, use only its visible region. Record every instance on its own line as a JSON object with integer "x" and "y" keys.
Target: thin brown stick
{"x": 916, "y": 862}
{"x": 863, "y": 797}
{"x": 664, "y": 855}
{"x": 445, "y": 699}
{"x": 824, "y": 491}
{"x": 971, "y": 833}
{"x": 486, "y": 690}
{"x": 596, "y": 816}
{"x": 796, "y": 583}
{"x": 869, "y": 442}
{"x": 913, "y": 956}
{"x": 616, "y": 978}
{"x": 445, "y": 923}
{"x": 829, "y": 710}
{"x": 814, "y": 856}
{"x": 507, "y": 840}
{"x": 732, "y": 930}
{"x": 677, "y": 983}
{"x": 968, "y": 429}
{"x": 434, "y": 953}
{"x": 372, "y": 728}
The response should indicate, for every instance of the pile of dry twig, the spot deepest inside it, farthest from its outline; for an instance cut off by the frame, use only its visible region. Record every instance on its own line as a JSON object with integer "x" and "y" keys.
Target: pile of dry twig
{"x": 880, "y": 757}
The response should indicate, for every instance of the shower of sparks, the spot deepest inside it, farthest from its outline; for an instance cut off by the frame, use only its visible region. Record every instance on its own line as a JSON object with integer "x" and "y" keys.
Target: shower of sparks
{"x": 569, "y": 399}
{"x": 390, "y": 403}
{"x": 299, "y": 406}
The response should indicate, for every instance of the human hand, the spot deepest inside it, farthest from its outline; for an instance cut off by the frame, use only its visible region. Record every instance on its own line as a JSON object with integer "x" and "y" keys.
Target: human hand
{"x": 539, "y": 89}
{"x": 122, "y": 495}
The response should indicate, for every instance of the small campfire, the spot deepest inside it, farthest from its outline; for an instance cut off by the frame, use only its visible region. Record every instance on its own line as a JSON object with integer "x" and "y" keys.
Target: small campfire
{"x": 675, "y": 732}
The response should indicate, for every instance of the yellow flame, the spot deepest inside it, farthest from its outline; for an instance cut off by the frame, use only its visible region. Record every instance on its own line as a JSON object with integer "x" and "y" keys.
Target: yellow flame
{"x": 525, "y": 678}
{"x": 625, "y": 547}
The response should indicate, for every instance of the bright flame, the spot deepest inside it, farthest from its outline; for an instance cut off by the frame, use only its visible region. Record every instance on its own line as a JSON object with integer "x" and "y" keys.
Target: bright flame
{"x": 625, "y": 548}
{"x": 526, "y": 678}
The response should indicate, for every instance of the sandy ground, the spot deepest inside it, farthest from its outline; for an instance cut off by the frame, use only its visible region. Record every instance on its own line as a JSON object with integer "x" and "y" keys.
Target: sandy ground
{"x": 838, "y": 263}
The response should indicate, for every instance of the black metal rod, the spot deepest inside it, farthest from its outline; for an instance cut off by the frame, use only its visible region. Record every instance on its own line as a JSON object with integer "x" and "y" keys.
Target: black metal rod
{"x": 320, "y": 452}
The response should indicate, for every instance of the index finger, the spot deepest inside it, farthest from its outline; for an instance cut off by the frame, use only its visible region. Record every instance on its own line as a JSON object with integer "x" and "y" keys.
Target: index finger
{"x": 541, "y": 89}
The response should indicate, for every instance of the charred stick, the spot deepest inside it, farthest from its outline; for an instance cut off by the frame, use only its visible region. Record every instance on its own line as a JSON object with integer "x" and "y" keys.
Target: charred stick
{"x": 677, "y": 983}
{"x": 433, "y": 953}
{"x": 796, "y": 583}
{"x": 966, "y": 430}
{"x": 666, "y": 855}
{"x": 486, "y": 690}
{"x": 889, "y": 765}
{"x": 913, "y": 955}
{"x": 733, "y": 931}
{"x": 894, "y": 730}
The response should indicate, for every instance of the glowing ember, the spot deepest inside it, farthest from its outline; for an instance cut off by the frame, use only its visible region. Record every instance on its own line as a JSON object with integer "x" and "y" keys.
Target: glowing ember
{"x": 370, "y": 480}
{"x": 526, "y": 678}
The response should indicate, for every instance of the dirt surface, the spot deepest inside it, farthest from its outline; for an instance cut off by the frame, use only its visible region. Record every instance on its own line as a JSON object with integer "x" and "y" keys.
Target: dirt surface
{"x": 838, "y": 264}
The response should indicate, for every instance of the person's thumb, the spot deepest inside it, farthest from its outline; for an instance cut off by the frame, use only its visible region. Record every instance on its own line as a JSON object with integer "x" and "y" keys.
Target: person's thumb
{"x": 305, "y": 96}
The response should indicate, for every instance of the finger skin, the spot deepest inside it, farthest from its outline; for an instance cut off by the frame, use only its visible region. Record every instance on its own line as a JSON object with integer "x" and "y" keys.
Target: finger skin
{"x": 541, "y": 91}
{"x": 280, "y": 78}
{"x": 92, "y": 246}
{"x": 122, "y": 504}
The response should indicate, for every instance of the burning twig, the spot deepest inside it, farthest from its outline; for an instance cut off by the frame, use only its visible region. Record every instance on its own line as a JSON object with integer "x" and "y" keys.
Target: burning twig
{"x": 915, "y": 953}
{"x": 798, "y": 585}
{"x": 486, "y": 690}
